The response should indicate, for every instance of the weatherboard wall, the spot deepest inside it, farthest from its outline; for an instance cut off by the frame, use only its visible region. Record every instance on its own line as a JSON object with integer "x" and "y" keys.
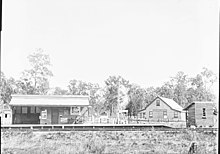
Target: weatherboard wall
{"x": 208, "y": 119}
{"x": 158, "y": 111}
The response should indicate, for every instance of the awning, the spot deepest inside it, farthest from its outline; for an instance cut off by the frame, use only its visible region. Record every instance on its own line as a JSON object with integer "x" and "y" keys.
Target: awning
{"x": 49, "y": 100}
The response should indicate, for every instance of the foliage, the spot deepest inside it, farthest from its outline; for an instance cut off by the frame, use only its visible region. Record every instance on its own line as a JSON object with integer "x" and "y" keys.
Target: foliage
{"x": 5, "y": 89}
{"x": 60, "y": 91}
{"x": 114, "y": 95}
{"x": 137, "y": 99}
{"x": 184, "y": 89}
{"x": 36, "y": 80}
{"x": 78, "y": 87}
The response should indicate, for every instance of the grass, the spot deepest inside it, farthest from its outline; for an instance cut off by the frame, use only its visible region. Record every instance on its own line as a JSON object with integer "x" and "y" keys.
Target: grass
{"x": 25, "y": 142}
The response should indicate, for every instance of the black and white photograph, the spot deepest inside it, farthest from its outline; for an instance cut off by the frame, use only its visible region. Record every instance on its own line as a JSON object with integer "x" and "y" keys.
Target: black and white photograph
{"x": 109, "y": 76}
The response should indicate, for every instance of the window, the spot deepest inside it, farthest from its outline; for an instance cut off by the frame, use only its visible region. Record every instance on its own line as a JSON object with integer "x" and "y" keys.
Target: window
{"x": 150, "y": 114}
{"x": 32, "y": 109}
{"x": 75, "y": 110}
{"x": 175, "y": 114}
{"x": 157, "y": 102}
{"x": 24, "y": 110}
{"x": 203, "y": 113}
{"x": 144, "y": 115}
{"x": 141, "y": 115}
{"x": 6, "y": 115}
{"x": 164, "y": 114}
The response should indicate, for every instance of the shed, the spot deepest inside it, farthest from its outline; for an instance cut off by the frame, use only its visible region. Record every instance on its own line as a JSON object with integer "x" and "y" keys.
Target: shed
{"x": 201, "y": 114}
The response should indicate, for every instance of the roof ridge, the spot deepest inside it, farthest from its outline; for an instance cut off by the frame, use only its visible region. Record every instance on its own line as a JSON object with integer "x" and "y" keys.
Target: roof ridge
{"x": 52, "y": 96}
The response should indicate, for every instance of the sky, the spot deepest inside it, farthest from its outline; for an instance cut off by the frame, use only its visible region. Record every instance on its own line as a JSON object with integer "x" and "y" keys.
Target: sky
{"x": 146, "y": 42}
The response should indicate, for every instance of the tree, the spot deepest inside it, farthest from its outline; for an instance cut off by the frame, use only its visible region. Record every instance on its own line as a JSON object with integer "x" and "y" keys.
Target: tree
{"x": 201, "y": 86}
{"x": 113, "y": 98}
{"x": 184, "y": 89}
{"x": 60, "y": 91}
{"x": 180, "y": 83}
{"x": 36, "y": 80}
{"x": 151, "y": 94}
{"x": 166, "y": 90}
{"x": 5, "y": 89}
{"x": 137, "y": 99}
{"x": 78, "y": 87}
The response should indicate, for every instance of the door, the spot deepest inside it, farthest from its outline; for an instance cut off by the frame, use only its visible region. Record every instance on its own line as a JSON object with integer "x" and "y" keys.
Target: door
{"x": 54, "y": 115}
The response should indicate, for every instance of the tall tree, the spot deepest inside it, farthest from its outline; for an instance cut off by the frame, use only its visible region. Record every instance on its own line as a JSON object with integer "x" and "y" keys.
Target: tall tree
{"x": 36, "y": 79}
{"x": 113, "y": 98}
{"x": 166, "y": 90}
{"x": 180, "y": 83}
{"x": 151, "y": 93}
{"x": 201, "y": 86}
{"x": 137, "y": 99}
{"x": 5, "y": 89}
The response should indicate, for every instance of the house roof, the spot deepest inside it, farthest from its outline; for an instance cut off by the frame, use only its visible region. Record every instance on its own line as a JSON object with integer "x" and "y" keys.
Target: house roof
{"x": 197, "y": 102}
{"x": 170, "y": 102}
{"x": 49, "y": 100}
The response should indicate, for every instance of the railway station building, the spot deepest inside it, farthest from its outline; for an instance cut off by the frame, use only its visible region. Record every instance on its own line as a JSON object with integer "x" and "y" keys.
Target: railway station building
{"x": 49, "y": 109}
{"x": 201, "y": 114}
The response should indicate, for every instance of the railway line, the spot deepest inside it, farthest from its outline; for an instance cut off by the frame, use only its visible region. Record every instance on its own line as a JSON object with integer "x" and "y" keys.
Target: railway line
{"x": 103, "y": 127}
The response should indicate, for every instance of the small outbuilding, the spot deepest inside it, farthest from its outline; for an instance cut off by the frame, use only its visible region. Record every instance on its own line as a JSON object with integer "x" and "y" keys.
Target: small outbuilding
{"x": 162, "y": 109}
{"x": 5, "y": 114}
{"x": 49, "y": 109}
{"x": 201, "y": 114}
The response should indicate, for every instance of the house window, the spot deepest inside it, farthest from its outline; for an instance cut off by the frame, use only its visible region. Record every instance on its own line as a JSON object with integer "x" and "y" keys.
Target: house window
{"x": 75, "y": 110}
{"x": 144, "y": 115}
{"x": 32, "y": 109}
{"x": 150, "y": 114}
{"x": 164, "y": 114}
{"x": 203, "y": 113}
{"x": 175, "y": 114}
{"x": 24, "y": 110}
{"x": 141, "y": 115}
{"x": 6, "y": 115}
{"x": 157, "y": 102}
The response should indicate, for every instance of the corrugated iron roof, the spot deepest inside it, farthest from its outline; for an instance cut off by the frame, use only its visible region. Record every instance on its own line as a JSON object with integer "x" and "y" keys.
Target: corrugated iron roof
{"x": 172, "y": 103}
{"x": 197, "y": 102}
{"x": 49, "y": 100}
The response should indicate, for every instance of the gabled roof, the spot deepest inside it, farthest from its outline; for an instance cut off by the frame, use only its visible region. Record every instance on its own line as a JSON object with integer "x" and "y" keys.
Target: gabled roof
{"x": 49, "y": 100}
{"x": 198, "y": 102}
{"x": 170, "y": 102}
